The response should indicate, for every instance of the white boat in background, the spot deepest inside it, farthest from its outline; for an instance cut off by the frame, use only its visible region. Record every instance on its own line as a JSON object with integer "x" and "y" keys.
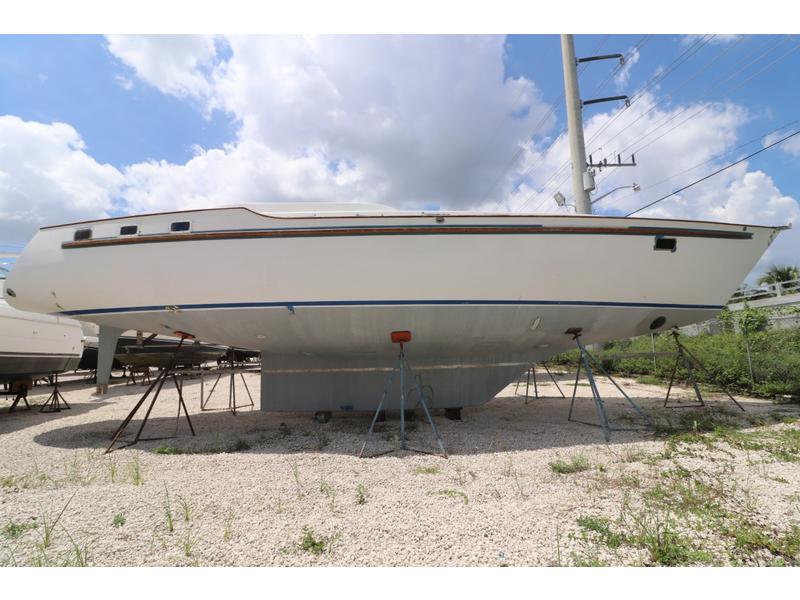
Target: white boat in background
{"x": 34, "y": 345}
{"x": 317, "y": 288}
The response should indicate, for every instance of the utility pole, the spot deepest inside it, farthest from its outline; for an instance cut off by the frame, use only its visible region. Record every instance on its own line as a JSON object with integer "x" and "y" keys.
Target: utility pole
{"x": 582, "y": 173}
{"x": 577, "y": 149}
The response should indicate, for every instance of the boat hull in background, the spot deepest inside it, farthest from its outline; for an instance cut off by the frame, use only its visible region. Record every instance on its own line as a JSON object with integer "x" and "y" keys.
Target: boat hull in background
{"x": 34, "y": 345}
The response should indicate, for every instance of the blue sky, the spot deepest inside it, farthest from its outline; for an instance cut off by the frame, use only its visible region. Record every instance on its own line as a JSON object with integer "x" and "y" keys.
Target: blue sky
{"x": 76, "y": 80}
{"x": 153, "y": 123}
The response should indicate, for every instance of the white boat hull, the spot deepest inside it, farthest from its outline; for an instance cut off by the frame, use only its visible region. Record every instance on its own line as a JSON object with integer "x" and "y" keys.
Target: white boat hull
{"x": 483, "y": 295}
{"x": 34, "y": 345}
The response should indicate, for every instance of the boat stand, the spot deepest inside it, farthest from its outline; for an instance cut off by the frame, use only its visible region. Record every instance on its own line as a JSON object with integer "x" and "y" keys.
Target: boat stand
{"x": 55, "y": 400}
{"x": 689, "y": 362}
{"x": 404, "y": 370}
{"x": 20, "y": 394}
{"x": 531, "y": 372}
{"x": 157, "y": 384}
{"x": 586, "y": 361}
{"x": 231, "y": 388}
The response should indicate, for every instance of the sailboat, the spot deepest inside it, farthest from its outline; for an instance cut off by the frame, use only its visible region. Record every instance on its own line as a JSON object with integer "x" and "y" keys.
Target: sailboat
{"x": 317, "y": 289}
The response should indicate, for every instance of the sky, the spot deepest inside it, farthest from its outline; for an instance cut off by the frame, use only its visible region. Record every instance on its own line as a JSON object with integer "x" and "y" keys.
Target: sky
{"x": 94, "y": 126}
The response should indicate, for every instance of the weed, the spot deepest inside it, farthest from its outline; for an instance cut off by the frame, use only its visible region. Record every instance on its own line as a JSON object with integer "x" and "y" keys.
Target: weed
{"x": 227, "y": 532}
{"x": 576, "y": 464}
{"x": 296, "y": 474}
{"x": 327, "y": 489}
{"x": 186, "y": 508}
{"x": 451, "y": 494}
{"x": 14, "y": 530}
{"x": 79, "y": 556}
{"x": 361, "y": 494}
{"x": 283, "y": 430}
{"x": 118, "y": 520}
{"x": 664, "y": 545}
{"x": 135, "y": 471}
{"x": 426, "y": 470}
{"x": 631, "y": 455}
{"x": 239, "y": 445}
{"x": 314, "y": 544}
{"x": 112, "y": 469}
{"x": 49, "y": 524}
{"x": 601, "y": 527}
{"x": 188, "y": 542}
{"x": 168, "y": 511}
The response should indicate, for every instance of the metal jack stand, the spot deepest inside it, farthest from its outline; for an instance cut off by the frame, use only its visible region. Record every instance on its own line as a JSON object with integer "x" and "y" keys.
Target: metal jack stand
{"x": 231, "y": 388}
{"x": 586, "y": 360}
{"x": 54, "y": 400}
{"x": 532, "y": 372}
{"x": 158, "y": 383}
{"x": 689, "y": 362}
{"x": 21, "y": 393}
{"x": 401, "y": 337}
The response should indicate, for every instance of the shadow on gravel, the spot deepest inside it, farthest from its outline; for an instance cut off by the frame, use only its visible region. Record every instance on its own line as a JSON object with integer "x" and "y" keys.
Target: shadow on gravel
{"x": 506, "y": 424}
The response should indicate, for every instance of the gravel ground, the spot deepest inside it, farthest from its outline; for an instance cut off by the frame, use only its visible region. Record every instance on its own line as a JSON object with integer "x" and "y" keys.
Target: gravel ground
{"x": 279, "y": 489}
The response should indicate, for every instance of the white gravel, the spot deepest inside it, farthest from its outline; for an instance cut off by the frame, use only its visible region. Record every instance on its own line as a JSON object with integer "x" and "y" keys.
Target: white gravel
{"x": 495, "y": 501}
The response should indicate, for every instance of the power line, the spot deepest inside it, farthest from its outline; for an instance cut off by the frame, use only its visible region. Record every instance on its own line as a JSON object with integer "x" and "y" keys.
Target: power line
{"x": 761, "y": 55}
{"x": 730, "y": 46}
{"x": 717, "y": 172}
{"x": 521, "y": 150}
{"x": 712, "y": 88}
{"x": 758, "y": 138}
{"x": 640, "y": 44}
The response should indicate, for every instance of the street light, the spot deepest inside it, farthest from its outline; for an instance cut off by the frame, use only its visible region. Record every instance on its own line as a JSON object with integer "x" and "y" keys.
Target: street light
{"x": 635, "y": 187}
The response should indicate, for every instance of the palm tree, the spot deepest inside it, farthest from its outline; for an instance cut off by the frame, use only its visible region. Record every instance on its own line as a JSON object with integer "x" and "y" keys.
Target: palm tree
{"x": 779, "y": 274}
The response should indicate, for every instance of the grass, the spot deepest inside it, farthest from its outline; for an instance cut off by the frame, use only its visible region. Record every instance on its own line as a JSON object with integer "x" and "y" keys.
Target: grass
{"x": 451, "y": 494}
{"x": 168, "y": 511}
{"x": 14, "y": 530}
{"x": 426, "y": 471}
{"x": 601, "y": 527}
{"x": 576, "y": 464}
{"x": 186, "y": 508}
{"x": 227, "y": 531}
{"x": 49, "y": 524}
{"x": 135, "y": 471}
{"x": 328, "y": 490}
{"x": 118, "y": 520}
{"x": 188, "y": 543}
{"x": 316, "y": 544}
{"x": 361, "y": 494}
{"x": 240, "y": 445}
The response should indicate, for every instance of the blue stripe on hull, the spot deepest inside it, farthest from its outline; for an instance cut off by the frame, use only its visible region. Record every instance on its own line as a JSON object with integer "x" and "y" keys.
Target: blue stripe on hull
{"x": 322, "y": 303}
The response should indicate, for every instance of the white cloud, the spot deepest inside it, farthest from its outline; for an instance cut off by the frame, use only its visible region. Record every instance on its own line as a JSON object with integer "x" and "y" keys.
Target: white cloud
{"x": 172, "y": 63}
{"x": 46, "y": 177}
{"x": 622, "y": 78}
{"x": 421, "y": 119}
{"x": 790, "y": 146}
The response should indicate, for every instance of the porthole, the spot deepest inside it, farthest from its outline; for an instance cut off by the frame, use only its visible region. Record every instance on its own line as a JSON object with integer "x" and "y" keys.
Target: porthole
{"x": 82, "y": 234}
{"x": 11, "y": 292}
{"x": 665, "y": 243}
{"x": 658, "y": 323}
{"x": 179, "y": 226}
{"x": 129, "y": 230}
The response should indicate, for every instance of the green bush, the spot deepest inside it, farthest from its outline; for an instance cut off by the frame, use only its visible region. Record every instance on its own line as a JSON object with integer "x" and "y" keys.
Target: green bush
{"x": 775, "y": 355}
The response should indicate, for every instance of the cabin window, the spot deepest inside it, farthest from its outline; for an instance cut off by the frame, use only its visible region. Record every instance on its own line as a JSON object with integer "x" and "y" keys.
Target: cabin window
{"x": 82, "y": 234}
{"x": 179, "y": 226}
{"x": 665, "y": 243}
{"x": 657, "y": 323}
{"x": 129, "y": 230}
